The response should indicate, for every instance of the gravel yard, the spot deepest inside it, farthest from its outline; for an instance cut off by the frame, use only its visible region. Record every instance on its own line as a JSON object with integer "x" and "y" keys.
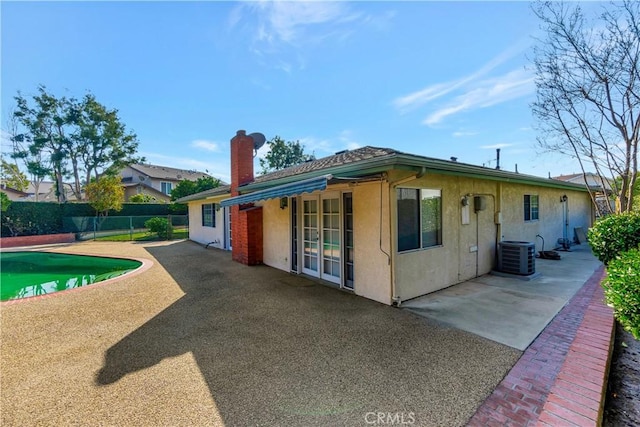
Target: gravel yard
{"x": 200, "y": 340}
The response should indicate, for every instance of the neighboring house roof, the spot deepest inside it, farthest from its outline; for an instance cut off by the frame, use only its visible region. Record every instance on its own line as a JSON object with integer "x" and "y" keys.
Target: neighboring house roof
{"x": 592, "y": 179}
{"x": 371, "y": 160}
{"x": 165, "y": 172}
{"x": 12, "y": 193}
{"x": 47, "y": 192}
{"x": 147, "y": 189}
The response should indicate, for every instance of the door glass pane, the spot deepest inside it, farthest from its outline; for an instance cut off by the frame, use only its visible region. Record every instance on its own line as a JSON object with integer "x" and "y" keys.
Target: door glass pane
{"x": 310, "y": 235}
{"x": 331, "y": 237}
{"x": 347, "y": 203}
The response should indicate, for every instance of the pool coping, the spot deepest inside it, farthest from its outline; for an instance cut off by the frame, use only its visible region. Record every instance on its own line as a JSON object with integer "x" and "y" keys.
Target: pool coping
{"x": 146, "y": 264}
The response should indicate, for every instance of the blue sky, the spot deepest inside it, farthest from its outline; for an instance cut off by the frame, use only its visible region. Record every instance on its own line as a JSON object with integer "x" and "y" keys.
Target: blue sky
{"x": 438, "y": 79}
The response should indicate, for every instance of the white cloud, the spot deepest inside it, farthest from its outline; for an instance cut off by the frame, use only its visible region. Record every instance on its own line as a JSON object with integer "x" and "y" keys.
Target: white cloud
{"x": 438, "y": 90}
{"x": 476, "y": 90}
{"x": 461, "y": 134}
{"x": 494, "y": 146}
{"x": 322, "y": 147}
{"x": 290, "y": 29}
{"x": 206, "y": 145}
{"x": 486, "y": 93}
{"x": 288, "y": 21}
{"x": 346, "y": 138}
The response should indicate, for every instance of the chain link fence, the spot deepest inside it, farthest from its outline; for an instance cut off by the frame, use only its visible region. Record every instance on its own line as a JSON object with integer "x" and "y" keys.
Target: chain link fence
{"x": 121, "y": 227}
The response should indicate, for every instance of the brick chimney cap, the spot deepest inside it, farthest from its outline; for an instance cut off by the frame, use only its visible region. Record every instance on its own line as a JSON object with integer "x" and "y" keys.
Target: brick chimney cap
{"x": 241, "y": 132}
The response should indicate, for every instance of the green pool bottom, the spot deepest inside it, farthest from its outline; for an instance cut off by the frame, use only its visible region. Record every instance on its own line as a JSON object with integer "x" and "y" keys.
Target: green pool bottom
{"x": 27, "y": 274}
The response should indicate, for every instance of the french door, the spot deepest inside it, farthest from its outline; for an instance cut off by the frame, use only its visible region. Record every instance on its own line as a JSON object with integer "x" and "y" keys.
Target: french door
{"x": 321, "y": 237}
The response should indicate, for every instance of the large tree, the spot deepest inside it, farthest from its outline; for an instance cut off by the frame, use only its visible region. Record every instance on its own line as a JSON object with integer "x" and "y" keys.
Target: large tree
{"x": 11, "y": 176}
{"x": 283, "y": 154}
{"x": 77, "y": 139}
{"x": 588, "y": 89}
{"x": 34, "y": 163}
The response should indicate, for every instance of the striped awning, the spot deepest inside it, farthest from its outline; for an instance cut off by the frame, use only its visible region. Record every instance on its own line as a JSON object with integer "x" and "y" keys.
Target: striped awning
{"x": 286, "y": 190}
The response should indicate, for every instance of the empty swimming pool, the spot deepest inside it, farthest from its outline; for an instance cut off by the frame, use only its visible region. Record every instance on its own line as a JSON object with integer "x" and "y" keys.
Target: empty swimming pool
{"x": 27, "y": 274}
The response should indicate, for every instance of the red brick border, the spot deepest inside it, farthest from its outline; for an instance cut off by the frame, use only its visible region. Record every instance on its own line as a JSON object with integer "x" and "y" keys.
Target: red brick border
{"x": 562, "y": 376}
{"x": 45, "y": 239}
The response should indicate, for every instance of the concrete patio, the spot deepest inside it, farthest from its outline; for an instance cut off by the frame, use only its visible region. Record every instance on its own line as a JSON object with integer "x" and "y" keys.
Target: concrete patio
{"x": 511, "y": 311}
{"x": 199, "y": 340}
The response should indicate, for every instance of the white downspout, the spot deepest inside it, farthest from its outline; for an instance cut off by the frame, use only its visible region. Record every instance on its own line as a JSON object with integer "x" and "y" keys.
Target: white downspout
{"x": 395, "y": 298}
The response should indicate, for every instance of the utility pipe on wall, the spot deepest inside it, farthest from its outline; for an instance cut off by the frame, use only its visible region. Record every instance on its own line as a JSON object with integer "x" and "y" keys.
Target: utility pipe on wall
{"x": 395, "y": 298}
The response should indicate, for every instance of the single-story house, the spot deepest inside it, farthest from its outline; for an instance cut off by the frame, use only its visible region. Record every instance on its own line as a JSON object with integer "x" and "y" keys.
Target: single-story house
{"x": 384, "y": 224}
{"x": 46, "y": 192}
{"x": 12, "y": 193}
{"x": 154, "y": 180}
{"x": 209, "y": 223}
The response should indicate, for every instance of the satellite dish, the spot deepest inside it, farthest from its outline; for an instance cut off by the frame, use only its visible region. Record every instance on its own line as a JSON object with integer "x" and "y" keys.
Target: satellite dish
{"x": 258, "y": 140}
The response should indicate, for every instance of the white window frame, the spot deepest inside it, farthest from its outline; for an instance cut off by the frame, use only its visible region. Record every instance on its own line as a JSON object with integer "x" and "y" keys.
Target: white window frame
{"x": 164, "y": 185}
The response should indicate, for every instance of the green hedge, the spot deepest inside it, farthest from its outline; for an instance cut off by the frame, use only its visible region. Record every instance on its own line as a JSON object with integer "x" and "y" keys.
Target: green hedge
{"x": 27, "y": 219}
{"x": 128, "y": 209}
{"x": 32, "y": 218}
{"x": 622, "y": 290}
{"x": 615, "y": 234}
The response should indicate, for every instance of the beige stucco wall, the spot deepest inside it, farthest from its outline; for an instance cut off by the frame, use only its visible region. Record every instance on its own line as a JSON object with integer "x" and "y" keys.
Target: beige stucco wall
{"x": 550, "y": 224}
{"x": 205, "y": 235}
{"x": 372, "y": 272}
{"x": 469, "y": 250}
{"x": 371, "y": 241}
{"x": 276, "y": 234}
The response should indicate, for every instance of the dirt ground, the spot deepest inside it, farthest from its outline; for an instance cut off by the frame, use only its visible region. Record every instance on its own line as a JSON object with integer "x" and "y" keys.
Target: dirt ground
{"x": 622, "y": 407}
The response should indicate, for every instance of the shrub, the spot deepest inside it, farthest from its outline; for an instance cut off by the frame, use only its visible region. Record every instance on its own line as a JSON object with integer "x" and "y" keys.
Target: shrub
{"x": 4, "y": 202}
{"x": 615, "y": 234}
{"x": 141, "y": 198}
{"x": 622, "y": 290}
{"x": 160, "y": 226}
{"x": 30, "y": 218}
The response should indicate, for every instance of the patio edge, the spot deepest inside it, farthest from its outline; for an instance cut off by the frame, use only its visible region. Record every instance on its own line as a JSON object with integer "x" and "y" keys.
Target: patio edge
{"x": 561, "y": 377}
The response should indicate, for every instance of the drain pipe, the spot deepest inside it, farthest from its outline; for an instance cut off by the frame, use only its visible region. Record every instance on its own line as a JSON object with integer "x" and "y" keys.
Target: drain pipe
{"x": 396, "y": 300}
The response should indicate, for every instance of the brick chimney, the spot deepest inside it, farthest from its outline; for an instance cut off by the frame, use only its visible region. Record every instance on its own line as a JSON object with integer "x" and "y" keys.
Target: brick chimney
{"x": 241, "y": 161}
{"x": 246, "y": 220}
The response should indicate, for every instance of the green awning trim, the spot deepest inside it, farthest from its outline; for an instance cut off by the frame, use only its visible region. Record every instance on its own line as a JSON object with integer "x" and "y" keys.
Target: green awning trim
{"x": 286, "y": 190}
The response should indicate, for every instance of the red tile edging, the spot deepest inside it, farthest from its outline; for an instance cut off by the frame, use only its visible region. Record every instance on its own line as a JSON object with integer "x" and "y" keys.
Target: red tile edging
{"x": 44, "y": 239}
{"x": 561, "y": 378}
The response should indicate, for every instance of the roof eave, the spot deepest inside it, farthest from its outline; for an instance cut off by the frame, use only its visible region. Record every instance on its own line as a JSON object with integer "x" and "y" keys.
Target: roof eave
{"x": 204, "y": 195}
{"x": 400, "y": 161}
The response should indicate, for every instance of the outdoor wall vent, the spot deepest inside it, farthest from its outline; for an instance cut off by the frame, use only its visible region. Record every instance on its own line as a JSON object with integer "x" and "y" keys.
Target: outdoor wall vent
{"x": 517, "y": 257}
